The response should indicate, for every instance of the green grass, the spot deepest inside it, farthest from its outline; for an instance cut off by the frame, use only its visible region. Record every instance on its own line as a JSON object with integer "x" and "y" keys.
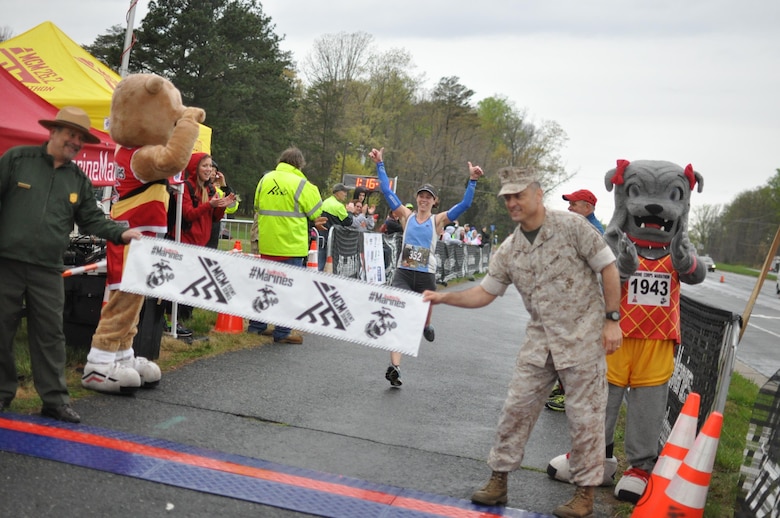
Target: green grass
{"x": 722, "y": 494}
{"x": 745, "y": 270}
{"x": 173, "y": 354}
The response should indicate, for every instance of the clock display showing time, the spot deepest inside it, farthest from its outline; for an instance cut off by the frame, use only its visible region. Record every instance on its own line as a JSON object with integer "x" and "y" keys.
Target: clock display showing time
{"x": 370, "y": 183}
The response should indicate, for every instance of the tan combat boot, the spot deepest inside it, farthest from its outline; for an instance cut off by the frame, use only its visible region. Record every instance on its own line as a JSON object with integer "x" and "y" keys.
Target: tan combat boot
{"x": 580, "y": 506}
{"x": 494, "y": 492}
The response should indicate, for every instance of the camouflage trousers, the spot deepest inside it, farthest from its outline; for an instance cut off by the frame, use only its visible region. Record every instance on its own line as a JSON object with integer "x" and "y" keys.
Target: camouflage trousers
{"x": 586, "y": 400}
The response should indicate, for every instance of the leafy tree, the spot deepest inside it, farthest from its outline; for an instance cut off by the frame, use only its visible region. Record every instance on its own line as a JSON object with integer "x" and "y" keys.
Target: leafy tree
{"x": 774, "y": 192}
{"x": 108, "y": 47}
{"x": 703, "y": 225}
{"x": 746, "y": 228}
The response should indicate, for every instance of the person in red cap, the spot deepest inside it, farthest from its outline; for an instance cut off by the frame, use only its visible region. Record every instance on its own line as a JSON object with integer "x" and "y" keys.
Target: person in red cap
{"x": 584, "y": 202}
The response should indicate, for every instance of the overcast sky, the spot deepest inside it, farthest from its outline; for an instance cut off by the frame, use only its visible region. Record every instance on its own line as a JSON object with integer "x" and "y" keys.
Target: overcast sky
{"x": 694, "y": 81}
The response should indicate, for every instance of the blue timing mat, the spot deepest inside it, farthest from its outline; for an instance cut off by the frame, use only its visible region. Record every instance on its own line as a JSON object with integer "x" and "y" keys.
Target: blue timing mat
{"x": 232, "y": 476}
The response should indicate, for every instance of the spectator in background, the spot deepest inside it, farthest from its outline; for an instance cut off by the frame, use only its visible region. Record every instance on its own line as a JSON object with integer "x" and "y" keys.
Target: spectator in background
{"x": 336, "y": 213}
{"x": 484, "y": 236}
{"x": 201, "y": 205}
{"x": 458, "y": 233}
{"x": 391, "y": 225}
{"x": 285, "y": 202}
{"x": 222, "y": 189}
{"x": 582, "y": 202}
{"x": 472, "y": 237}
{"x": 44, "y": 193}
{"x": 363, "y": 217}
{"x": 448, "y": 235}
{"x": 360, "y": 194}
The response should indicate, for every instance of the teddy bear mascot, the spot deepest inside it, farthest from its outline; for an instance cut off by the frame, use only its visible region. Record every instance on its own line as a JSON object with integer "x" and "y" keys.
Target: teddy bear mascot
{"x": 649, "y": 235}
{"x": 155, "y": 134}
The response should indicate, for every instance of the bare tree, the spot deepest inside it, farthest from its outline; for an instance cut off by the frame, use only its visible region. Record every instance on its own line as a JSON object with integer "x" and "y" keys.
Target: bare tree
{"x": 338, "y": 58}
{"x": 6, "y": 33}
{"x": 703, "y": 225}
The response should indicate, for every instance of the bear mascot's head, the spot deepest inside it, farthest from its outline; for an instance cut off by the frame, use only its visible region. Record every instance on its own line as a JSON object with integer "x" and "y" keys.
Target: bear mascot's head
{"x": 147, "y": 115}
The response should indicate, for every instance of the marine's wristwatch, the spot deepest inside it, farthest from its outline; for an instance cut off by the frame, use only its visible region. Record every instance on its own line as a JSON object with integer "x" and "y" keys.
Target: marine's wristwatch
{"x": 613, "y": 315}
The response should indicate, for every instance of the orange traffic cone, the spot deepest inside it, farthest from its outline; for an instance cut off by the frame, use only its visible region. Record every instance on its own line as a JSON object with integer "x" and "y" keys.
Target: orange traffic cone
{"x": 680, "y": 441}
{"x": 328, "y": 265}
{"x": 237, "y": 246}
{"x": 229, "y": 324}
{"x": 722, "y": 278}
{"x": 687, "y": 491}
{"x": 311, "y": 264}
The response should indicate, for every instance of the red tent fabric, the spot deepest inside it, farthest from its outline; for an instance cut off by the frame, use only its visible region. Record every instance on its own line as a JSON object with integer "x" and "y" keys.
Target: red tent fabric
{"x": 22, "y": 109}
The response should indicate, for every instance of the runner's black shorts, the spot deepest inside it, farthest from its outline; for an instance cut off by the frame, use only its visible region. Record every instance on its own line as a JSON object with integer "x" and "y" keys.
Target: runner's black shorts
{"x": 413, "y": 280}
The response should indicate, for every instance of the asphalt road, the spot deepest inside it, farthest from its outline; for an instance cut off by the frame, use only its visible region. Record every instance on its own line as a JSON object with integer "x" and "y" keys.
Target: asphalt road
{"x": 760, "y": 344}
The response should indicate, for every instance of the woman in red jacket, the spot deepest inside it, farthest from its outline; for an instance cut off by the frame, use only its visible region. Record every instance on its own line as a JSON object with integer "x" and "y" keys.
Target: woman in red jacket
{"x": 200, "y": 207}
{"x": 200, "y": 204}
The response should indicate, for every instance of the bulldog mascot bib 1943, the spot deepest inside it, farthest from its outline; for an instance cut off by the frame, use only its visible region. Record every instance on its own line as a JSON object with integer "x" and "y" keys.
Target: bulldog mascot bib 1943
{"x": 648, "y": 234}
{"x": 156, "y": 134}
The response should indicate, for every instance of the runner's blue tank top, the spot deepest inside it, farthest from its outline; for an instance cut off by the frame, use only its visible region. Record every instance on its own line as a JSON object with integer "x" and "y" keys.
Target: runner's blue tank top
{"x": 418, "y": 250}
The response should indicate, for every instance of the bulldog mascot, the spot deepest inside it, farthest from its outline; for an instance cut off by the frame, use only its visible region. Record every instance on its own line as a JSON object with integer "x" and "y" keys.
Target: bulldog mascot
{"x": 649, "y": 235}
{"x": 155, "y": 134}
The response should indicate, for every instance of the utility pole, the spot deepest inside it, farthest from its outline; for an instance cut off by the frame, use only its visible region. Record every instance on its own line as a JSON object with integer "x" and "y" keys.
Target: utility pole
{"x": 129, "y": 39}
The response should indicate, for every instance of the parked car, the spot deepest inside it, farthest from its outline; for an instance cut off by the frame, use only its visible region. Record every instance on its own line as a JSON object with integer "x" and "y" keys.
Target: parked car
{"x": 707, "y": 260}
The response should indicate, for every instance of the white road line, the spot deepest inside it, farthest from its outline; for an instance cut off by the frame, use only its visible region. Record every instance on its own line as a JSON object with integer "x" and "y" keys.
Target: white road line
{"x": 764, "y": 330}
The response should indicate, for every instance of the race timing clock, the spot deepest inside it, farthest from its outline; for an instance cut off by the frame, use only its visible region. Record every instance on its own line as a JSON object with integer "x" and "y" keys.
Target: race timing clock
{"x": 370, "y": 183}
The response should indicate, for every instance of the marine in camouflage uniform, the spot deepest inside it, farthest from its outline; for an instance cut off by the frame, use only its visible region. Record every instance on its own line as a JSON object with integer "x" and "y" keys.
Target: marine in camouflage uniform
{"x": 553, "y": 258}
{"x": 561, "y": 292}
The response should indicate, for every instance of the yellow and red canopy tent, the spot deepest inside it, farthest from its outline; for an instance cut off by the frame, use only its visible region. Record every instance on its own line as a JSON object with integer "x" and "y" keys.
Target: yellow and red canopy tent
{"x": 19, "y": 117}
{"x": 61, "y": 72}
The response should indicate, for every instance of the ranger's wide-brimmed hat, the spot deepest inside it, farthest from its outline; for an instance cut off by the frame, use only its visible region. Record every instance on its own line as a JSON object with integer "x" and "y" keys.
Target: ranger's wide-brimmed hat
{"x": 74, "y": 118}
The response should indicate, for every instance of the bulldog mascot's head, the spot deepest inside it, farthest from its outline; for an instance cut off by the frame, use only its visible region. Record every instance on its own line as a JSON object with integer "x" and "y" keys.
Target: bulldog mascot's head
{"x": 652, "y": 202}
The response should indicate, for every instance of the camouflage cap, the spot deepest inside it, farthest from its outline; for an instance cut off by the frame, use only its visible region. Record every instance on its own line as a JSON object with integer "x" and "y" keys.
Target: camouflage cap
{"x": 515, "y": 179}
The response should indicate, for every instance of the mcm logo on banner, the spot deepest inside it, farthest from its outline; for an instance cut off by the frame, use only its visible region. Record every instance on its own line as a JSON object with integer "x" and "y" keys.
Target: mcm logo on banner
{"x": 213, "y": 285}
{"x": 331, "y": 311}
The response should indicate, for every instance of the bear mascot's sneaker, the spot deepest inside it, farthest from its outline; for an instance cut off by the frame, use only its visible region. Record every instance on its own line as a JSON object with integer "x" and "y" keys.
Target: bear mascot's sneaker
{"x": 111, "y": 378}
{"x": 148, "y": 371}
